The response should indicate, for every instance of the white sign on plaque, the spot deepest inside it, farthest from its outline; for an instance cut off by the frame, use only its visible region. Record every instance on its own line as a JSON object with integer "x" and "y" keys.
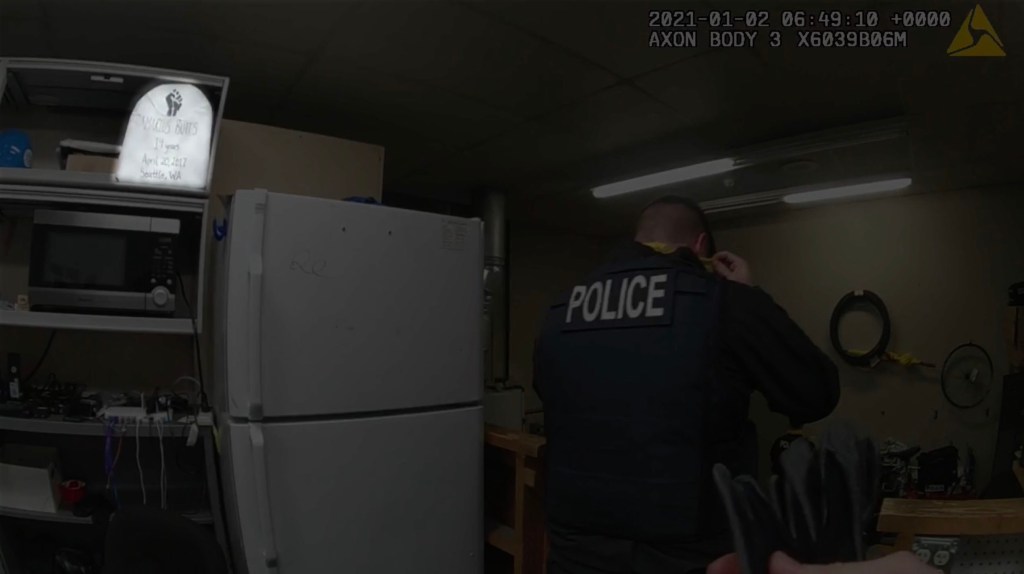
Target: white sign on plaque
{"x": 167, "y": 141}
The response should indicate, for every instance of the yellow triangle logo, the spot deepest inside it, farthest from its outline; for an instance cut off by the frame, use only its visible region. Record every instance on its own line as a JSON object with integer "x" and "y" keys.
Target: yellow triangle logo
{"x": 976, "y": 37}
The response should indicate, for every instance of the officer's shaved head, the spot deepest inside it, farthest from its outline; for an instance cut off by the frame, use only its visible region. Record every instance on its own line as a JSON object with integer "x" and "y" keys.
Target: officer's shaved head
{"x": 675, "y": 221}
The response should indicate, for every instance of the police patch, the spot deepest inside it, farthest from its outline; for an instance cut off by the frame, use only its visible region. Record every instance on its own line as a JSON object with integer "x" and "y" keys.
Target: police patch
{"x": 630, "y": 299}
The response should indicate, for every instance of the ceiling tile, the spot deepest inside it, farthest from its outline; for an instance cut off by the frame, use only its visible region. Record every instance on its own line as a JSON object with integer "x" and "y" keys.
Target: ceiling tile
{"x": 514, "y": 156}
{"x": 464, "y": 52}
{"x": 615, "y": 118}
{"x": 709, "y": 87}
{"x": 952, "y": 83}
{"x": 751, "y": 102}
{"x": 613, "y": 34}
{"x": 812, "y": 105}
{"x": 529, "y": 148}
{"x": 20, "y": 10}
{"x": 24, "y": 38}
{"x": 97, "y": 31}
{"x": 260, "y": 78}
{"x": 129, "y": 19}
{"x": 299, "y": 27}
{"x": 886, "y": 157}
{"x": 985, "y": 134}
{"x": 108, "y": 41}
{"x": 412, "y": 106}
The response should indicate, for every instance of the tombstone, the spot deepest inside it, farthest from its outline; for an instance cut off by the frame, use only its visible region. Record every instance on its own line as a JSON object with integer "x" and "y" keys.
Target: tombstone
{"x": 167, "y": 141}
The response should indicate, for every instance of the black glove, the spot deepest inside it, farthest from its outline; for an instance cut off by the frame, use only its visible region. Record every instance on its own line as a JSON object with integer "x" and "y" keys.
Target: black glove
{"x": 816, "y": 509}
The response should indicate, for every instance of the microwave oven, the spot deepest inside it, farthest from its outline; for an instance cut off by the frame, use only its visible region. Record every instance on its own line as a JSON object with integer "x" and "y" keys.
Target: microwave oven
{"x": 102, "y": 263}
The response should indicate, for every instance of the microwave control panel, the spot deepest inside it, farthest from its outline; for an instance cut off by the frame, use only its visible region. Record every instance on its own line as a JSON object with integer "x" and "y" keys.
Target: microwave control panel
{"x": 162, "y": 271}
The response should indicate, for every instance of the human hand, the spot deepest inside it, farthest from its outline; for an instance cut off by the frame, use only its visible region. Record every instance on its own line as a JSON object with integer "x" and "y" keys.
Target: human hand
{"x": 898, "y": 563}
{"x": 732, "y": 267}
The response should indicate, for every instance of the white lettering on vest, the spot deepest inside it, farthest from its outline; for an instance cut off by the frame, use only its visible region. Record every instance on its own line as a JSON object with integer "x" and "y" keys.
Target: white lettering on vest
{"x": 590, "y": 312}
{"x": 653, "y": 292}
{"x": 622, "y": 300}
{"x": 575, "y": 300}
{"x": 606, "y": 313}
{"x": 608, "y": 300}
{"x": 634, "y": 312}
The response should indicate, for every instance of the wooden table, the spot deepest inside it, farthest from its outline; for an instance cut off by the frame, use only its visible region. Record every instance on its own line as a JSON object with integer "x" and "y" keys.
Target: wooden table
{"x": 514, "y": 477}
{"x": 911, "y": 518}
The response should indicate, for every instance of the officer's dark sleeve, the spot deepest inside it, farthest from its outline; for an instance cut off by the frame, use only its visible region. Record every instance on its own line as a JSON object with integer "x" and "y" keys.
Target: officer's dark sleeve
{"x": 776, "y": 357}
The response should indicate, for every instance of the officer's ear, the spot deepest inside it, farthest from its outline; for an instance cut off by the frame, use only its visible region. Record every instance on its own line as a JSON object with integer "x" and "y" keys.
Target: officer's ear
{"x": 701, "y": 247}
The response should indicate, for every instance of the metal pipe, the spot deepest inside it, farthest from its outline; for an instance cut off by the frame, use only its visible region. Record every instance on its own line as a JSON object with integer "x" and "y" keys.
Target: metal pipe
{"x": 492, "y": 210}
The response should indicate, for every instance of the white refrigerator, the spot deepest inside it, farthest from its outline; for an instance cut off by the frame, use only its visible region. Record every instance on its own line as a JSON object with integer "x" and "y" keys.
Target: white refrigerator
{"x": 350, "y": 376}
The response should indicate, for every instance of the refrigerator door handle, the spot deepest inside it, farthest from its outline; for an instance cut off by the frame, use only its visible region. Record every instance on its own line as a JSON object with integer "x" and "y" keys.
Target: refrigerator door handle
{"x": 254, "y": 320}
{"x": 268, "y": 549}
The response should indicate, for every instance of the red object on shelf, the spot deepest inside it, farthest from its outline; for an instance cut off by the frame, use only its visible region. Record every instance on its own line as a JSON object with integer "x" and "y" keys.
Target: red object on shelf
{"x": 72, "y": 492}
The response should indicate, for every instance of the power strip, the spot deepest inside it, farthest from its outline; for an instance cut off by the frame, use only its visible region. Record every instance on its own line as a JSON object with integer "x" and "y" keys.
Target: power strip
{"x": 130, "y": 415}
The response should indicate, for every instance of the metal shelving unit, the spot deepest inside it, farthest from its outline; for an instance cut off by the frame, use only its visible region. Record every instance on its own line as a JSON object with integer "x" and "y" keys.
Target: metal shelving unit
{"x": 104, "y": 87}
{"x": 23, "y": 195}
{"x": 55, "y": 425}
{"x": 56, "y": 178}
{"x": 29, "y": 185}
{"x": 30, "y": 87}
{"x": 172, "y": 430}
{"x": 67, "y": 517}
{"x": 99, "y": 94}
{"x": 95, "y": 322}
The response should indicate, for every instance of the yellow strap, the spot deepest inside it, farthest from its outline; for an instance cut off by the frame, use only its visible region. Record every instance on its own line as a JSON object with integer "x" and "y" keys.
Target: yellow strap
{"x": 661, "y": 247}
{"x": 905, "y": 359}
{"x": 668, "y": 249}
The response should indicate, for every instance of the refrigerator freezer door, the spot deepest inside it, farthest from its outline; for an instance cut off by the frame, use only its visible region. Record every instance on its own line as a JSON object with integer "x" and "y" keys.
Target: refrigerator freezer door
{"x": 337, "y": 307}
{"x": 387, "y": 495}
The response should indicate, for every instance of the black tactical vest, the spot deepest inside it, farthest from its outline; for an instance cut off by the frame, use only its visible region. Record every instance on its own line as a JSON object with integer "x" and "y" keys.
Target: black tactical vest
{"x": 624, "y": 365}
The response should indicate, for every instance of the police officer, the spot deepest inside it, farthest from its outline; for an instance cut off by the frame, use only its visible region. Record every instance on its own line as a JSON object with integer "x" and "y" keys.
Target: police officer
{"x": 646, "y": 370}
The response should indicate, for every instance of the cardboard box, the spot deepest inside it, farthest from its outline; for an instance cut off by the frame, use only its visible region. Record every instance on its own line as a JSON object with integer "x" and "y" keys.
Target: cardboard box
{"x": 90, "y": 163}
{"x": 29, "y": 479}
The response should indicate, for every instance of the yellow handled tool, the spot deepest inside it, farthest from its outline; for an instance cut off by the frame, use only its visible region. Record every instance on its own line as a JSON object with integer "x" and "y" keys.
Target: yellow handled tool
{"x": 905, "y": 359}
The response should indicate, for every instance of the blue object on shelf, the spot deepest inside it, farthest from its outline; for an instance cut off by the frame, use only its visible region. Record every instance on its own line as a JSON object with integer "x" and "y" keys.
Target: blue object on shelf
{"x": 220, "y": 229}
{"x": 369, "y": 200}
{"x": 15, "y": 149}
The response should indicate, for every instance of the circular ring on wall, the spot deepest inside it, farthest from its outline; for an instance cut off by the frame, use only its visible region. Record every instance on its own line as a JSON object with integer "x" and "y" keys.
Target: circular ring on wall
{"x": 967, "y": 375}
{"x": 877, "y": 353}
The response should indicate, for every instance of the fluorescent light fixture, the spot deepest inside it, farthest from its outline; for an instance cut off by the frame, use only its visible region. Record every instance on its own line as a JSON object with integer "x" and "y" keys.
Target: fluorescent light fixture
{"x": 740, "y": 202}
{"x": 661, "y": 178}
{"x": 871, "y": 187}
{"x": 826, "y": 140}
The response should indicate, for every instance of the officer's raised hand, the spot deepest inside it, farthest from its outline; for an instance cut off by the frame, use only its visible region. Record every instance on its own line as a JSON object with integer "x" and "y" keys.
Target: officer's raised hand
{"x": 732, "y": 267}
